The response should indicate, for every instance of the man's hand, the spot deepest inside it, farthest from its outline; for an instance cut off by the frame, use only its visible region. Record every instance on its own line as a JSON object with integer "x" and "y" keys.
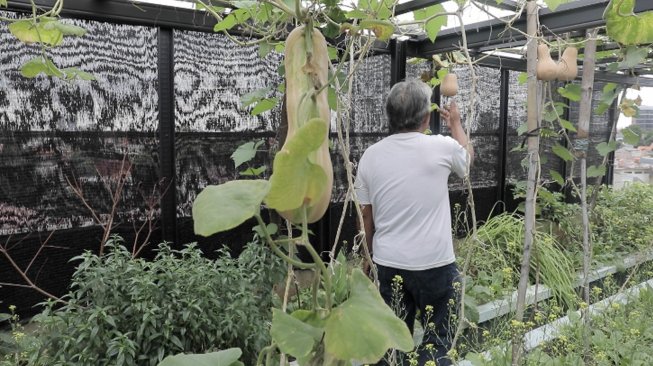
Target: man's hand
{"x": 450, "y": 114}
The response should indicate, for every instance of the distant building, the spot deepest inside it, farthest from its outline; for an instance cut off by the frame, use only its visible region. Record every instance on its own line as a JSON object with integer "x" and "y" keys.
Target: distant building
{"x": 645, "y": 118}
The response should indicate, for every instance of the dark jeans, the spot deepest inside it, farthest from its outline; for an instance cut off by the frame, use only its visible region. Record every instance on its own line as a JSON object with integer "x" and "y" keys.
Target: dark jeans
{"x": 432, "y": 288}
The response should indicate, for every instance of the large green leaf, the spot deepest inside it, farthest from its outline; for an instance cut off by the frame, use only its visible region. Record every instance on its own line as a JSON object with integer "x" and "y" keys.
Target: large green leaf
{"x": 571, "y": 91}
{"x": 245, "y": 152}
{"x": 363, "y": 327}
{"x": 293, "y": 336}
{"x": 630, "y": 136}
{"x": 264, "y": 106}
{"x": 562, "y": 152}
{"x": 228, "y": 357}
{"x": 557, "y": 177}
{"x": 295, "y": 178}
{"x": 605, "y": 148}
{"x": 633, "y": 56}
{"x": 65, "y": 29}
{"x": 28, "y": 31}
{"x": 382, "y": 29}
{"x": 225, "y": 206}
{"x": 432, "y": 26}
{"x": 596, "y": 171}
{"x": 39, "y": 65}
{"x": 627, "y": 28}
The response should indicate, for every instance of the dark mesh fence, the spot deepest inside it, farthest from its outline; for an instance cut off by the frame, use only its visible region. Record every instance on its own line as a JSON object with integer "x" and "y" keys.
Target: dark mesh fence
{"x": 53, "y": 133}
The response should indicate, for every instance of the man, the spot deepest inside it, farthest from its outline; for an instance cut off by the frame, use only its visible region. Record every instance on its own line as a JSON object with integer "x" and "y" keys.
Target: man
{"x": 401, "y": 184}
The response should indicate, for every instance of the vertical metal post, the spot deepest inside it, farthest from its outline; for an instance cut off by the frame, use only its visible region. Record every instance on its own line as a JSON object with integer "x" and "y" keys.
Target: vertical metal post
{"x": 503, "y": 135}
{"x": 397, "y": 61}
{"x": 613, "y": 113}
{"x": 167, "y": 171}
{"x": 434, "y": 124}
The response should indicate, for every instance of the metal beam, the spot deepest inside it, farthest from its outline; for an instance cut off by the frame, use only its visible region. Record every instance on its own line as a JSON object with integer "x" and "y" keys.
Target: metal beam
{"x": 520, "y": 65}
{"x": 126, "y": 12}
{"x": 574, "y": 16}
{"x": 505, "y": 4}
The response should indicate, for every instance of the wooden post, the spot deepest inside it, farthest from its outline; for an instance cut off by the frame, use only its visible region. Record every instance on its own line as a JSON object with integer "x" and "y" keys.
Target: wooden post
{"x": 582, "y": 145}
{"x": 533, "y": 168}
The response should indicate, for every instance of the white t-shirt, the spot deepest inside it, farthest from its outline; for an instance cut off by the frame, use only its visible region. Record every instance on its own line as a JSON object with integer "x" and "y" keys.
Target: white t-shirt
{"x": 404, "y": 177}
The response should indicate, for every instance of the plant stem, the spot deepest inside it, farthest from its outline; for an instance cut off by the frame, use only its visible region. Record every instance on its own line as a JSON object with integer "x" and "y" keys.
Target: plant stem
{"x": 316, "y": 258}
{"x": 277, "y": 251}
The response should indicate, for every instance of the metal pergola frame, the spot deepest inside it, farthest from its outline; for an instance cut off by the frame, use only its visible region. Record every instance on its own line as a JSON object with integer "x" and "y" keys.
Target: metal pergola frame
{"x": 573, "y": 18}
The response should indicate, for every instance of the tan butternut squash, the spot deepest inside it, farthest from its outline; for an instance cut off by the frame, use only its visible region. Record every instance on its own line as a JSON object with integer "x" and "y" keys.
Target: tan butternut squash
{"x": 546, "y": 69}
{"x": 306, "y": 68}
{"x": 449, "y": 86}
{"x": 567, "y": 67}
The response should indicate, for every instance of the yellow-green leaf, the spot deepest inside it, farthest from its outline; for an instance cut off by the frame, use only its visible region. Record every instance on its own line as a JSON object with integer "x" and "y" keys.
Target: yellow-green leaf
{"x": 29, "y": 32}
{"x": 295, "y": 179}
{"x": 382, "y": 29}
{"x": 626, "y": 27}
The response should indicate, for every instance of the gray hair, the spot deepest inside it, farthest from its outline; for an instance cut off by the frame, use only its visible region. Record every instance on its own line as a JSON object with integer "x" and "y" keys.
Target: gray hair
{"x": 407, "y": 105}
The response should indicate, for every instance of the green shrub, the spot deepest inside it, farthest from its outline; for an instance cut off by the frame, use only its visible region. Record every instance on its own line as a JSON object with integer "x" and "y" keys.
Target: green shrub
{"x": 124, "y": 311}
{"x": 623, "y": 220}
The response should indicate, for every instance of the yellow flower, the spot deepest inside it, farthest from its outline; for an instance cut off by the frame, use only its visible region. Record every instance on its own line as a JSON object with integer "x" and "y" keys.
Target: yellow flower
{"x": 583, "y": 305}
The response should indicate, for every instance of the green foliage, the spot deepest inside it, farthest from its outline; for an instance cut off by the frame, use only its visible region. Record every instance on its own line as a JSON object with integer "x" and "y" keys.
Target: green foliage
{"x": 604, "y": 148}
{"x": 631, "y": 135}
{"x": 329, "y": 338}
{"x": 625, "y": 27}
{"x": 621, "y": 335}
{"x": 571, "y": 91}
{"x": 245, "y": 152}
{"x": 633, "y": 56}
{"x": 364, "y": 309}
{"x": 225, "y": 206}
{"x": 434, "y": 23}
{"x": 595, "y": 171}
{"x": 497, "y": 259}
{"x": 562, "y": 152}
{"x": 622, "y": 221}
{"x": 228, "y": 357}
{"x": 46, "y": 31}
{"x": 125, "y": 311}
